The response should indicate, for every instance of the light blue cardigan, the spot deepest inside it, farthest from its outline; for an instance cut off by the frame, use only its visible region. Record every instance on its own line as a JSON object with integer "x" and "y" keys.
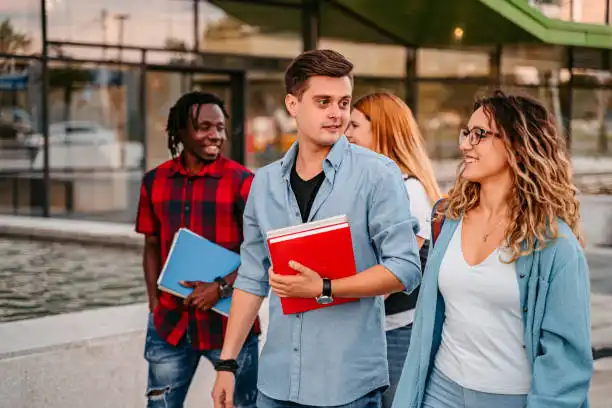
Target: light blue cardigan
{"x": 555, "y": 297}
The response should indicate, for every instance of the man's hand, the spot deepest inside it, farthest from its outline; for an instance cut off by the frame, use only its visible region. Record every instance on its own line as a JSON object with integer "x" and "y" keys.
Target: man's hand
{"x": 204, "y": 296}
{"x": 306, "y": 284}
{"x": 223, "y": 390}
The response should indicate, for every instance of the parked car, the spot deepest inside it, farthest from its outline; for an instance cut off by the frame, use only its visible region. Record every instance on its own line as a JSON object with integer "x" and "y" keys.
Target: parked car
{"x": 15, "y": 123}
{"x": 73, "y": 133}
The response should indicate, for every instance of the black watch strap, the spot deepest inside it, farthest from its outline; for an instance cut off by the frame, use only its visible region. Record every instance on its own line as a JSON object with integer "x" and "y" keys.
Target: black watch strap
{"x": 326, "y": 287}
{"x": 227, "y": 365}
{"x": 221, "y": 281}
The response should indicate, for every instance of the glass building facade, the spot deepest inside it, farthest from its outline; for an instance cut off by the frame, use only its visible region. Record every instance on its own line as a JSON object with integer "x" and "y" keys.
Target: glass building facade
{"x": 85, "y": 87}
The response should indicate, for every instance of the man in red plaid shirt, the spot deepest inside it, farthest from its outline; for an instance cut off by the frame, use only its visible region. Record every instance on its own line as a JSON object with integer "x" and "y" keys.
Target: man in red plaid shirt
{"x": 203, "y": 191}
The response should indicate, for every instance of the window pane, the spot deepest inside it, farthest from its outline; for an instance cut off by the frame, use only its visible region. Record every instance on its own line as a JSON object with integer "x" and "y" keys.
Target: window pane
{"x": 592, "y": 122}
{"x": 442, "y": 109}
{"x": 19, "y": 119}
{"x": 270, "y": 128}
{"x": 95, "y": 147}
{"x": 19, "y": 29}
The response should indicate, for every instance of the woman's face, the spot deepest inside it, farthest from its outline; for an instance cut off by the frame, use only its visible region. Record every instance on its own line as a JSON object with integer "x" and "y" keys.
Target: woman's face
{"x": 359, "y": 130}
{"x": 484, "y": 152}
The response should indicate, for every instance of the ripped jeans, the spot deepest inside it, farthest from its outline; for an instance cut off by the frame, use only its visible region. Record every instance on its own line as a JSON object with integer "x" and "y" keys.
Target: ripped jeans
{"x": 171, "y": 370}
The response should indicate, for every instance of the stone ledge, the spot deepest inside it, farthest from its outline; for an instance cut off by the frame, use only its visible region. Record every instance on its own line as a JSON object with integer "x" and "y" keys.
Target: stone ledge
{"x": 31, "y": 336}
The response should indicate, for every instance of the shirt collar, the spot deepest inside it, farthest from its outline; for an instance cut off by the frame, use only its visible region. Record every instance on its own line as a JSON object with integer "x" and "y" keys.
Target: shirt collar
{"x": 334, "y": 157}
{"x": 214, "y": 169}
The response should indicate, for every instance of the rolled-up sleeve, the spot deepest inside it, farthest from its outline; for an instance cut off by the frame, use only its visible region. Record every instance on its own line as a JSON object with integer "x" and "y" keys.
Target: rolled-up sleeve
{"x": 393, "y": 228}
{"x": 254, "y": 263}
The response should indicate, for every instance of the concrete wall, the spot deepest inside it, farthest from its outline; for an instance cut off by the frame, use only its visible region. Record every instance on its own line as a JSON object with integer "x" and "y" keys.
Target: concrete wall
{"x": 91, "y": 359}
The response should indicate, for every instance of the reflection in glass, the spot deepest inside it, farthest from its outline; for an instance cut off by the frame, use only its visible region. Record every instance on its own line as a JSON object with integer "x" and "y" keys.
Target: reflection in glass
{"x": 113, "y": 22}
{"x": 592, "y": 121}
{"x": 442, "y": 109}
{"x": 18, "y": 120}
{"x": 95, "y": 152}
{"x": 19, "y": 29}
{"x": 270, "y": 130}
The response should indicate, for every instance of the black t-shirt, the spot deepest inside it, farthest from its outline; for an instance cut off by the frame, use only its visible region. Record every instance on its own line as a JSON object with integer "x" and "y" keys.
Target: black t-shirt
{"x": 305, "y": 191}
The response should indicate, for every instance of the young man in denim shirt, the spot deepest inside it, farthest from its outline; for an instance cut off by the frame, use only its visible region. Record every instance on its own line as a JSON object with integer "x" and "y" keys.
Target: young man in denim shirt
{"x": 333, "y": 356}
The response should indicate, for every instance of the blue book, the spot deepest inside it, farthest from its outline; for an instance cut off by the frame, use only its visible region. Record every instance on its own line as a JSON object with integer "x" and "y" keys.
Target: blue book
{"x": 194, "y": 258}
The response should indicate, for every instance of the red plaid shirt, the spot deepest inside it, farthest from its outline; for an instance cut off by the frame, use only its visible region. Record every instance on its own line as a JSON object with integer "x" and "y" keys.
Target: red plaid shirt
{"x": 210, "y": 204}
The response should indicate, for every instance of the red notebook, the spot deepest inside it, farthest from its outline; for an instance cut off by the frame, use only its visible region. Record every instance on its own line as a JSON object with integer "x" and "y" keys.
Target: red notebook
{"x": 324, "y": 246}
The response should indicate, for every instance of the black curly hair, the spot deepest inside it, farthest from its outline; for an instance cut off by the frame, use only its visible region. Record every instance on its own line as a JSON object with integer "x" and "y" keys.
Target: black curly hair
{"x": 180, "y": 113}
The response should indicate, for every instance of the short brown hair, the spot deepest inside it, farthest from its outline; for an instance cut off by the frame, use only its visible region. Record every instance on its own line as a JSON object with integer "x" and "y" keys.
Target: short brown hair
{"x": 308, "y": 64}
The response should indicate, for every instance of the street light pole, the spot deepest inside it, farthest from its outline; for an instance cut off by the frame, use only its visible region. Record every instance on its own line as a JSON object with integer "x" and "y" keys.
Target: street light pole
{"x": 103, "y": 19}
{"x": 44, "y": 90}
{"x": 121, "y": 18}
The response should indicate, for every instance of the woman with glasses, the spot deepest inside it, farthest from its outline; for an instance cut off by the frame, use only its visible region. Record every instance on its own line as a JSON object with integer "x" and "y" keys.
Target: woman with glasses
{"x": 503, "y": 313}
{"x": 382, "y": 122}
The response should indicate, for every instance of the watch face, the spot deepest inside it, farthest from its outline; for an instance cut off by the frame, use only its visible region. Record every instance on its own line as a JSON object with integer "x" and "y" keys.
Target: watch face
{"x": 324, "y": 300}
{"x": 226, "y": 291}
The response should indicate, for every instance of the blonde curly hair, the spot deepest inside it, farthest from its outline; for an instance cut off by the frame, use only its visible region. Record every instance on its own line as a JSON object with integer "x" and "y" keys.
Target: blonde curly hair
{"x": 539, "y": 161}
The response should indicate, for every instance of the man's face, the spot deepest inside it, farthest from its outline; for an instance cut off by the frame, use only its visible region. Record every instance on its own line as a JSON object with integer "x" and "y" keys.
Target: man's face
{"x": 323, "y": 112}
{"x": 205, "y": 133}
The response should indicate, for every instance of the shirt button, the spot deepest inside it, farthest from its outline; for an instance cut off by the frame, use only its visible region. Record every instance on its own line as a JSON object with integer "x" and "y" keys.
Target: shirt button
{"x": 190, "y": 181}
{"x": 297, "y": 315}
{"x": 187, "y": 207}
{"x": 522, "y": 275}
{"x": 525, "y": 309}
{"x": 295, "y": 349}
{"x": 297, "y": 214}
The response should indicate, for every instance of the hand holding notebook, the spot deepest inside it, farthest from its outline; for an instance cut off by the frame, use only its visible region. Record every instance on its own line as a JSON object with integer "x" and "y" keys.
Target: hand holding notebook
{"x": 324, "y": 248}
{"x": 194, "y": 258}
{"x": 204, "y": 295}
{"x": 305, "y": 284}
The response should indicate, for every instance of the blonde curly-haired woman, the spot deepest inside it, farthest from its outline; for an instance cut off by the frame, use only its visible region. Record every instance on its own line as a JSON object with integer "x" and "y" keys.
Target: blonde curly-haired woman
{"x": 503, "y": 316}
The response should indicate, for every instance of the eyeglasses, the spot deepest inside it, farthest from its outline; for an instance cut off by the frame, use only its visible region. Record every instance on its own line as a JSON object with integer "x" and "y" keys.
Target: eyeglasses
{"x": 474, "y": 135}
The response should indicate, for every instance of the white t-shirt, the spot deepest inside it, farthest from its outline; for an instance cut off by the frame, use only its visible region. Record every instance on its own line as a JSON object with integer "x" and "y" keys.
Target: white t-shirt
{"x": 482, "y": 336}
{"x": 420, "y": 207}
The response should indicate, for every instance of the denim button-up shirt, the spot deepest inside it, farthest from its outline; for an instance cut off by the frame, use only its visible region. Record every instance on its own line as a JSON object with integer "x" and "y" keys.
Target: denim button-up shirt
{"x": 335, "y": 355}
{"x": 554, "y": 290}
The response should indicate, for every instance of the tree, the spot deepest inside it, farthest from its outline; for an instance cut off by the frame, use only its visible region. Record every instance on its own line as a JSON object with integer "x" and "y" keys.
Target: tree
{"x": 228, "y": 27}
{"x": 180, "y": 46}
{"x": 11, "y": 42}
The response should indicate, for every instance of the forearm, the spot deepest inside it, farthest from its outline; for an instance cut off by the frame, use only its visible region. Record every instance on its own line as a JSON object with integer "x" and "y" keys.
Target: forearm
{"x": 231, "y": 277}
{"x": 374, "y": 281}
{"x": 420, "y": 242}
{"x": 151, "y": 263}
{"x": 244, "y": 310}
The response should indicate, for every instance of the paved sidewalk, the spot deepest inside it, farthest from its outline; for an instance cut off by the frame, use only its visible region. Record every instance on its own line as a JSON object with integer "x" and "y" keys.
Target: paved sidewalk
{"x": 601, "y": 385}
{"x": 601, "y": 322}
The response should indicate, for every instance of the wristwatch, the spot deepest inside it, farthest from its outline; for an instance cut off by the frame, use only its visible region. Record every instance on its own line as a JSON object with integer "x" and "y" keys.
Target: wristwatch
{"x": 225, "y": 289}
{"x": 226, "y": 365}
{"x": 326, "y": 294}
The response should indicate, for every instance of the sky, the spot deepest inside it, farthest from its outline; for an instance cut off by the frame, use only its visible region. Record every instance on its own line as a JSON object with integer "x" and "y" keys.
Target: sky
{"x": 149, "y": 22}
